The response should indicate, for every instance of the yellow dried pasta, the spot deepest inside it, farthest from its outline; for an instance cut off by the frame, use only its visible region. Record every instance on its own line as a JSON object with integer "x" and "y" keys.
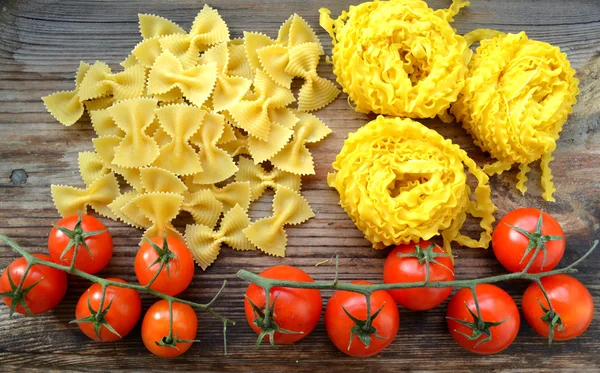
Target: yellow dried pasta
{"x": 398, "y": 57}
{"x": 104, "y": 125}
{"x": 290, "y": 208}
{"x": 204, "y": 207}
{"x": 66, "y": 106}
{"x": 160, "y": 209}
{"x": 91, "y": 167}
{"x": 205, "y": 243}
{"x": 99, "y": 81}
{"x": 401, "y": 182}
{"x": 517, "y": 96}
{"x": 260, "y": 180}
{"x": 236, "y": 193}
{"x": 238, "y": 64}
{"x": 105, "y": 148}
{"x": 136, "y": 218}
{"x": 155, "y": 179}
{"x": 69, "y": 200}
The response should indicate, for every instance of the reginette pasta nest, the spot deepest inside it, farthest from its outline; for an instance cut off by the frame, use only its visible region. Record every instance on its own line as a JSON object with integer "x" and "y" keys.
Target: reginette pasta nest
{"x": 517, "y": 96}
{"x": 190, "y": 112}
{"x": 398, "y": 57}
{"x": 401, "y": 182}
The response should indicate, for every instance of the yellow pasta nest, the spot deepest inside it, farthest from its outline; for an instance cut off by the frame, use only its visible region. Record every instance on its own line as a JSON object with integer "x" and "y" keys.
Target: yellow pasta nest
{"x": 401, "y": 182}
{"x": 515, "y": 101}
{"x": 398, "y": 57}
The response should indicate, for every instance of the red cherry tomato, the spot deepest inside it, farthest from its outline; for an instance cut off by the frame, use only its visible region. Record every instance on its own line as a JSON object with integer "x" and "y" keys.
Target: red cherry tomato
{"x": 510, "y": 245}
{"x": 124, "y": 312}
{"x": 172, "y": 280}
{"x": 569, "y": 298}
{"x": 339, "y": 325}
{"x": 296, "y": 310}
{"x": 401, "y": 269}
{"x": 49, "y": 289}
{"x": 155, "y": 327}
{"x": 100, "y": 245}
{"x": 496, "y": 306}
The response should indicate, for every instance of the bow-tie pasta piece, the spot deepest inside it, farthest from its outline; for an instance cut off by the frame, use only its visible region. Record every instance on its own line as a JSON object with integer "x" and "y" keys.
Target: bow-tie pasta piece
{"x": 136, "y": 149}
{"x": 253, "y": 42}
{"x": 205, "y": 243}
{"x": 229, "y": 90}
{"x": 296, "y": 31}
{"x": 156, "y": 179}
{"x": 69, "y": 200}
{"x": 253, "y": 115}
{"x": 237, "y": 146}
{"x": 237, "y": 193}
{"x": 160, "y": 209}
{"x": 105, "y": 147}
{"x": 100, "y": 81}
{"x": 103, "y": 124}
{"x": 66, "y": 106}
{"x": 137, "y": 219}
{"x": 100, "y": 103}
{"x": 274, "y": 60}
{"x": 268, "y": 234}
{"x": 260, "y": 179}
{"x": 264, "y": 150}
{"x": 180, "y": 122}
{"x": 216, "y": 163}
{"x": 204, "y": 207}
{"x": 195, "y": 83}
{"x": 295, "y": 157}
{"x": 238, "y": 64}
{"x": 316, "y": 92}
{"x": 155, "y": 26}
{"x": 91, "y": 167}
{"x": 207, "y": 30}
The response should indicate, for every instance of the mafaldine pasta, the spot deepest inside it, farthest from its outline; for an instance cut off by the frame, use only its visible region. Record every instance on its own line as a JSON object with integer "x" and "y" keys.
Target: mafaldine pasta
{"x": 401, "y": 182}
{"x": 517, "y": 96}
{"x": 398, "y": 57}
{"x": 190, "y": 125}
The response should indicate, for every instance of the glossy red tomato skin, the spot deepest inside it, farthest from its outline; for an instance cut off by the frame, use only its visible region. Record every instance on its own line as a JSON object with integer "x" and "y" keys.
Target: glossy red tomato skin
{"x": 123, "y": 314}
{"x": 569, "y": 298}
{"x": 101, "y": 245}
{"x": 338, "y": 324}
{"x": 297, "y": 310}
{"x": 155, "y": 326}
{"x": 44, "y": 296}
{"x": 496, "y": 305}
{"x": 509, "y": 245}
{"x": 401, "y": 270}
{"x": 181, "y": 271}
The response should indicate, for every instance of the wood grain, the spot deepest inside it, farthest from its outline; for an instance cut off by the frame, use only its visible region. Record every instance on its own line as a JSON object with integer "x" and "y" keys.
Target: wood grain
{"x": 41, "y": 44}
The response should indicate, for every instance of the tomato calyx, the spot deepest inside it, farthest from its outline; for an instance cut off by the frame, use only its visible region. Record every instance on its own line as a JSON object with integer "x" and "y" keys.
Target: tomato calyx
{"x": 171, "y": 342}
{"x": 264, "y": 319}
{"x": 478, "y": 326}
{"x": 164, "y": 256}
{"x": 77, "y": 238}
{"x": 553, "y": 319}
{"x": 537, "y": 241}
{"x": 364, "y": 329}
{"x": 17, "y": 294}
{"x": 426, "y": 255}
{"x": 98, "y": 318}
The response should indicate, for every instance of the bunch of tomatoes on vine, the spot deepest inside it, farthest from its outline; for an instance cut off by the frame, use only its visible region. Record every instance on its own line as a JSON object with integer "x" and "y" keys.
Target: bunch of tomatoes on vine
{"x": 283, "y": 304}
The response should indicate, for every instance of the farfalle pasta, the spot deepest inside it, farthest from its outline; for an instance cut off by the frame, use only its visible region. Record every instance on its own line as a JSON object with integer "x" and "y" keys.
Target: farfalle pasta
{"x": 517, "y": 96}
{"x": 401, "y": 182}
{"x": 174, "y": 122}
{"x": 398, "y": 57}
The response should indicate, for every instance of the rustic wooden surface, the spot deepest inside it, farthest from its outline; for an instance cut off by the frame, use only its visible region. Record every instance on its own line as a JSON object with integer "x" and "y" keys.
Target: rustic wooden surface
{"x": 41, "y": 44}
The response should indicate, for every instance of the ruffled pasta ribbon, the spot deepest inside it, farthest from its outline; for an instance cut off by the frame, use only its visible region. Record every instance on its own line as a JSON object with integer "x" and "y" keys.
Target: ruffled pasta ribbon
{"x": 157, "y": 207}
{"x": 295, "y": 156}
{"x": 401, "y": 182}
{"x": 398, "y": 57}
{"x": 205, "y": 243}
{"x": 69, "y": 200}
{"x": 516, "y": 99}
{"x": 260, "y": 180}
{"x": 66, "y": 106}
{"x": 289, "y": 207}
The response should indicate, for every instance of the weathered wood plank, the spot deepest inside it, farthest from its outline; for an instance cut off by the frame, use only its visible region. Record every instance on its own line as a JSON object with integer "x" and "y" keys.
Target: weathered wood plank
{"x": 41, "y": 43}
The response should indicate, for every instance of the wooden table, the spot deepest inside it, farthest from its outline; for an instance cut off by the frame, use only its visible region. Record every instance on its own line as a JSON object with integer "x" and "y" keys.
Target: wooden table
{"x": 41, "y": 44}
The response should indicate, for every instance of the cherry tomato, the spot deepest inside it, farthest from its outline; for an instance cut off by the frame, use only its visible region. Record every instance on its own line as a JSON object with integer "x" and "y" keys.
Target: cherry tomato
{"x": 49, "y": 285}
{"x": 175, "y": 276}
{"x": 155, "y": 328}
{"x": 400, "y": 269}
{"x": 122, "y": 315}
{"x": 510, "y": 245}
{"x": 100, "y": 245}
{"x": 496, "y": 307}
{"x": 339, "y": 325}
{"x": 296, "y": 310}
{"x": 569, "y": 298}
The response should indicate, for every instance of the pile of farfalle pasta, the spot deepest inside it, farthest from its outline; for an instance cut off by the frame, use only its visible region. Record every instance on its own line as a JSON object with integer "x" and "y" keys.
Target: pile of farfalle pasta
{"x": 202, "y": 123}
{"x": 400, "y": 181}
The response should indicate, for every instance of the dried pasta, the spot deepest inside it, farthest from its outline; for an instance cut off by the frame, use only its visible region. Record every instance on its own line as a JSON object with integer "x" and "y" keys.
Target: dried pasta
{"x": 204, "y": 207}
{"x": 66, "y": 106}
{"x": 99, "y": 81}
{"x": 69, "y": 200}
{"x": 160, "y": 209}
{"x": 401, "y": 182}
{"x": 517, "y": 96}
{"x": 260, "y": 180}
{"x": 135, "y": 218}
{"x": 105, "y": 147}
{"x": 91, "y": 167}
